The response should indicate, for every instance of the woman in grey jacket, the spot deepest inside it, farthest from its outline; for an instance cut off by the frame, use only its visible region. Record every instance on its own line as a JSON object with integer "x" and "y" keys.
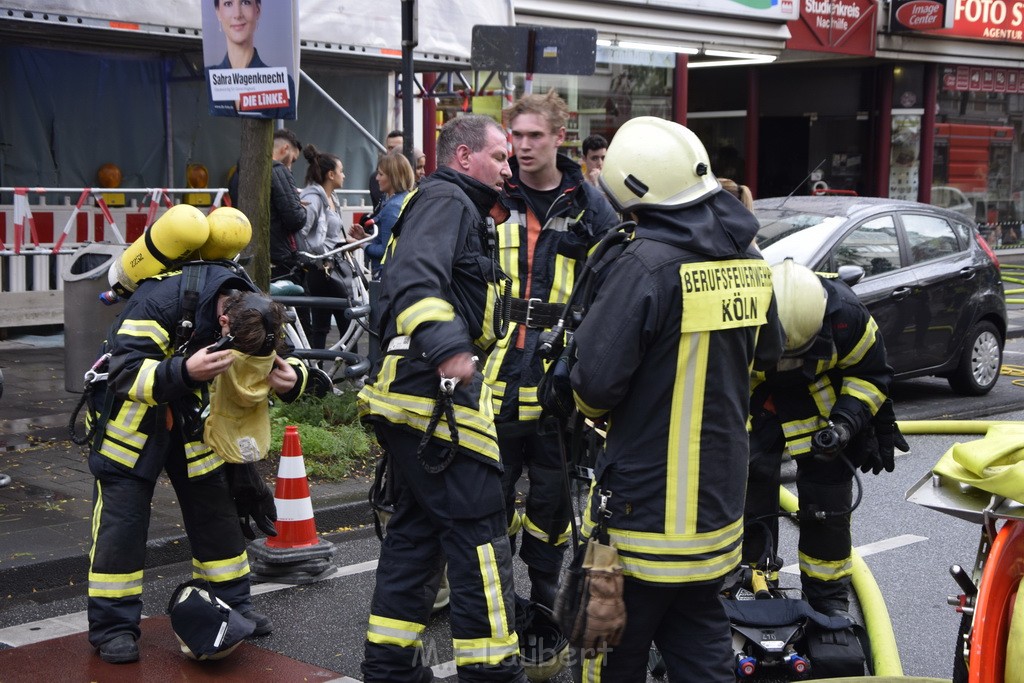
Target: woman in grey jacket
{"x": 321, "y": 234}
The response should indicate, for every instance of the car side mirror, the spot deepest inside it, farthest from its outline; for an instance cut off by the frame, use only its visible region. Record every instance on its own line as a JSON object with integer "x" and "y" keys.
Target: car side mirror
{"x": 851, "y": 275}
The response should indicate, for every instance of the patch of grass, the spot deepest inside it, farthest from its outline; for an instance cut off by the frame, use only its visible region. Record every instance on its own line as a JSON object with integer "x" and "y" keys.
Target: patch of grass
{"x": 334, "y": 444}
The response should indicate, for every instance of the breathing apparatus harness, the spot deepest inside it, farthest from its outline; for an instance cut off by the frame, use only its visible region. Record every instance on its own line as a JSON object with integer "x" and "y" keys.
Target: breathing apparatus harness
{"x": 444, "y": 405}
{"x": 554, "y": 392}
{"x": 193, "y": 279}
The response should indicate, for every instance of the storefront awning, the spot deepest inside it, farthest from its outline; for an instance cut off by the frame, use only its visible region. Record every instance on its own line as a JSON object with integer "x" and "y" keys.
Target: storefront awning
{"x": 664, "y": 23}
{"x": 911, "y": 47}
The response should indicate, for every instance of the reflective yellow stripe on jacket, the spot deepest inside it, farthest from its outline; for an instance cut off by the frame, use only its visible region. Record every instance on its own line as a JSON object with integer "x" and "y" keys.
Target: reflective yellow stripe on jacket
{"x": 476, "y": 427}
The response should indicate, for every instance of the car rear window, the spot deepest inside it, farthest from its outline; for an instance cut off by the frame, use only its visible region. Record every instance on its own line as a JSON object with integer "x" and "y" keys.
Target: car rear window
{"x": 929, "y": 237}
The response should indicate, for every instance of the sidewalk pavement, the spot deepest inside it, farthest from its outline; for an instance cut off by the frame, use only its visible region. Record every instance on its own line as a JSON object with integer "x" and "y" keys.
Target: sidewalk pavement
{"x": 45, "y": 510}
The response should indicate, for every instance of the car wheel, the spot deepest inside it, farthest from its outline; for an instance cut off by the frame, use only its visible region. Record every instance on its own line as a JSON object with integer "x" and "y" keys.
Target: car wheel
{"x": 979, "y": 361}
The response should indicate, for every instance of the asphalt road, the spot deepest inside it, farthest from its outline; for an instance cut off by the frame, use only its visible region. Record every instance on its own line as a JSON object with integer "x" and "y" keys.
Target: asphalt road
{"x": 908, "y": 549}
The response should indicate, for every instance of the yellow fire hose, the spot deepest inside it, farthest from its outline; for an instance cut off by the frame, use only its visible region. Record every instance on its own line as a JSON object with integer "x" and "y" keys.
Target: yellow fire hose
{"x": 949, "y": 426}
{"x": 884, "y": 652}
{"x": 885, "y": 656}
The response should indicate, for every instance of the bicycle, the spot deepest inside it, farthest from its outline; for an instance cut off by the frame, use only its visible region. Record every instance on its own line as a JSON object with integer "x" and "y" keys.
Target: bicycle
{"x": 340, "y": 361}
{"x": 990, "y": 640}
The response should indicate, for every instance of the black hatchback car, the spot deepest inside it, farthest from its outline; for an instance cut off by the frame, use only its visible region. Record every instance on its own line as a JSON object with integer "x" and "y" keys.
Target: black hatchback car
{"x": 929, "y": 279}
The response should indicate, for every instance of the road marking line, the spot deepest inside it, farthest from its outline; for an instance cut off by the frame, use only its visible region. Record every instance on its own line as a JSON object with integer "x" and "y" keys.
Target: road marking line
{"x": 444, "y": 669}
{"x": 872, "y": 548}
{"x": 336, "y": 573}
{"x": 45, "y": 629}
{"x": 78, "y": 622}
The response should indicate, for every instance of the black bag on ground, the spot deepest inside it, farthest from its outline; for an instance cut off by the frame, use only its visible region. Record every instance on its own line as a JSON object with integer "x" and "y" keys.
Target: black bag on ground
{"x": 834, "y": 653}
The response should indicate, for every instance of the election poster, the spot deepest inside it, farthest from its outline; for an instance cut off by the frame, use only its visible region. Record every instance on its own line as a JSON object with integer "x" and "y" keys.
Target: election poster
{"x": 251, "y": 55}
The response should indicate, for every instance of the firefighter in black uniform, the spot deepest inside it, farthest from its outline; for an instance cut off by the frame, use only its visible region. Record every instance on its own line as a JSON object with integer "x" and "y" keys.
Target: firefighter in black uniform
{"x": 556, "y": 217}
{"x": 434, "y": 420}
{"x": 664, "y": 354}
{"x": 825, "y": 399}
{"x": 157, "y": 388}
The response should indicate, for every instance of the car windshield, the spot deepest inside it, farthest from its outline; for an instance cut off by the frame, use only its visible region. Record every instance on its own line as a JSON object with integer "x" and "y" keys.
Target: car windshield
{"x": 793, "y": 234}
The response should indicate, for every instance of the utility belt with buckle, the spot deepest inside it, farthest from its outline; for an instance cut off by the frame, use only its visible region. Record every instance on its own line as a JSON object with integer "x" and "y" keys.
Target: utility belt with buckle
{"x": 538, "y": 314}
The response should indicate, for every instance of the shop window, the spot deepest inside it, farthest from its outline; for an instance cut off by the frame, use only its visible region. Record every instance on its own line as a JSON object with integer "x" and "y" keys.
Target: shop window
{"x": 872, "y": 245}
{"x": 724, "y": 137}
{"x": 976, "y": 153}
{"x": 929, "y": 237}
{"x": 629, "y": 84}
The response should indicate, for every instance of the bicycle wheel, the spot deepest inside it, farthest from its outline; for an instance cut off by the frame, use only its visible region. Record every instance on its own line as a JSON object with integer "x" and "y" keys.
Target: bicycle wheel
{"x": 997, "y": 591}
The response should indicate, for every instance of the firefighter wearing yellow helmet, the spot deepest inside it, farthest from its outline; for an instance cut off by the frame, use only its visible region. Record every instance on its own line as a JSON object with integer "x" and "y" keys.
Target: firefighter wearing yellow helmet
{"x": 825, "y": 404}
{"x": 664, "y": 353}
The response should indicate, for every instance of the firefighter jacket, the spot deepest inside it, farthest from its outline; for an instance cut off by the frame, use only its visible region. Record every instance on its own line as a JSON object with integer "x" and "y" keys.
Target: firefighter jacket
{"x": 543, "y": 256}
{"x": 148, "y": 388}
{"x": 438, "y": 295}
{"x": 665, "y": 351}
{"x": 843, "y": 374}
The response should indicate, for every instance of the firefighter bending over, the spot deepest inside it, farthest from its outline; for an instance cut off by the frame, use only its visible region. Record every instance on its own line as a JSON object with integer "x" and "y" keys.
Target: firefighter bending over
{"x": 825, "y": 403}
{"x": 151, "y": 420}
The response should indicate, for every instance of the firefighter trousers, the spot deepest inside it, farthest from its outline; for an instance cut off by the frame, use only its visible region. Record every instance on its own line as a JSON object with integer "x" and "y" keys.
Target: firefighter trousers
{"x": 688, "y": 624}
{"x": 121, "y": 512}
{"x": 546, "y": 521}
{"x": 824, "y": 546}
{"x": 456, "y": 514}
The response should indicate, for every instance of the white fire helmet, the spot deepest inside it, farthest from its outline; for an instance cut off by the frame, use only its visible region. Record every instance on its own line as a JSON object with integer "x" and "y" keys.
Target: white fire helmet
{"x": 654, "y": 163}
{"x": 801, "y": 300}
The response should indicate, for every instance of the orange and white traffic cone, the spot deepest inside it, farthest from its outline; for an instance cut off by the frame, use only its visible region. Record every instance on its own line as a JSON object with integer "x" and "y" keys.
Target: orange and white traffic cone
{"x": 295, "y": 525}
{"x": 296, "y": 555}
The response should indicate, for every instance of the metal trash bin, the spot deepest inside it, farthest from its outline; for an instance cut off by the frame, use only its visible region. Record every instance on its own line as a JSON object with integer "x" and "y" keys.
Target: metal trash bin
{"x": 86, "y": 318}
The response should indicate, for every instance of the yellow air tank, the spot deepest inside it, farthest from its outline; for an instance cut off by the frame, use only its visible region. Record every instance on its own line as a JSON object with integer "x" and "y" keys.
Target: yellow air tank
{"x": 230, "y": 232}
{"x": 180, "y": 231}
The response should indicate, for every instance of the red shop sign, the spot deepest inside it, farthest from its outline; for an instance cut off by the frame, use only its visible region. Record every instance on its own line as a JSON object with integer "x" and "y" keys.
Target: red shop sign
{"x": 917, "y": 15}
{"x": 982, "y": 79}
{"x": 991, "y": 20}
{"x": 837, "y": 26}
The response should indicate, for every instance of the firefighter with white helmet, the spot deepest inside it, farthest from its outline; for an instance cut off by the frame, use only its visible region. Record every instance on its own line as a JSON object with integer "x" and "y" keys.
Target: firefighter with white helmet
{"x": 664, "y": 353}
{"x": 825, "y": 399}
{"x": 801, "y": 298}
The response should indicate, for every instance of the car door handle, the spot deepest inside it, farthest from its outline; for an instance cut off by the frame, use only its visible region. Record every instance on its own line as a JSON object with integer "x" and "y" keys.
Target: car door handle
{"x": 968, "y": 272}
{"x": 900, "y": 293}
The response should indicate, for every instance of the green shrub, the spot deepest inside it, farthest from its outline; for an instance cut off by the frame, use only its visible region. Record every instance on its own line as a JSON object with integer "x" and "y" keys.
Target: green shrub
{"x": 334, "y": 444}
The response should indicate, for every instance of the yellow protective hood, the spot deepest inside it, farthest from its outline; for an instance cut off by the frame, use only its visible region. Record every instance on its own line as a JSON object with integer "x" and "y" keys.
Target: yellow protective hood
{"x": 238, "y": 427}
{"x": 994, "y": 463}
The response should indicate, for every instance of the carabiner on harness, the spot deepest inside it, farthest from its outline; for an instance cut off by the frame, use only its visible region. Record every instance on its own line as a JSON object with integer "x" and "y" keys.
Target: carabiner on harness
{"x": 442, "y": 406}
{"x": 94, "y": 375}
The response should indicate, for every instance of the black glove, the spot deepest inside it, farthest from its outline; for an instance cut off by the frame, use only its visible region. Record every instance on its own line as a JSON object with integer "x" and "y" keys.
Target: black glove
{"x": 253, "y": 498}
{"x": 828, "y": 442}
{"x": 554, "y": 392}
{"x": 889, "y": 438}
